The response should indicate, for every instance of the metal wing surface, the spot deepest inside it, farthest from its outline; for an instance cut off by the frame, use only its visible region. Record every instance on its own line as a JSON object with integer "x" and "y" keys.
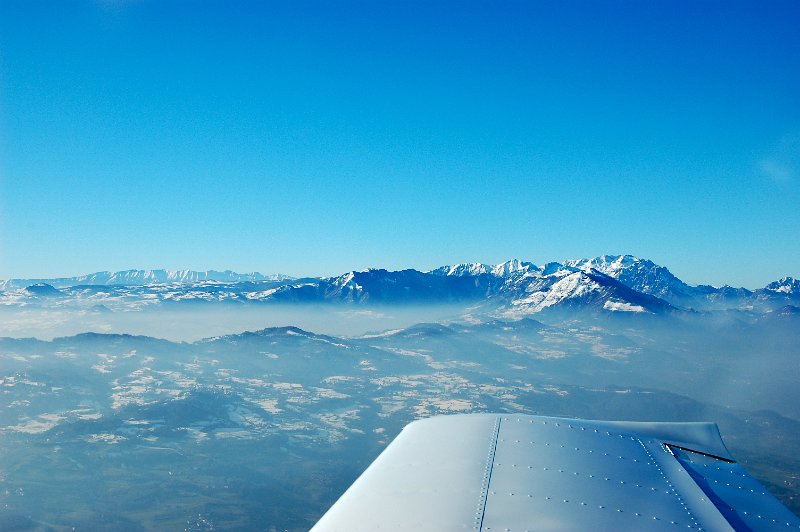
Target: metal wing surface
{"x": 518, "y": 472}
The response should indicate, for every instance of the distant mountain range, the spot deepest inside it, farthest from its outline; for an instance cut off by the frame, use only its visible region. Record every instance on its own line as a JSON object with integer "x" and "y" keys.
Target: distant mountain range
{"x": 611, "y": 283}
{"x": 142, "y": 277}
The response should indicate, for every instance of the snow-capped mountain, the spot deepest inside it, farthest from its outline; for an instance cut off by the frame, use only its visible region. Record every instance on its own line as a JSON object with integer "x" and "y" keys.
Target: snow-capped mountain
{"x": 610, "y": 283}
{"x": 787, "y": 285}
{"x": 465, "y": 268}
{"x": 143, "y": 277}
{"x": 642, "y": 275}
{"x": 528, "y": 289}
{"x": 587, "y": 289}
{"x": 513, "y": 287}
{"x": 504, "y": 269}
{"x": 382, "y": 286}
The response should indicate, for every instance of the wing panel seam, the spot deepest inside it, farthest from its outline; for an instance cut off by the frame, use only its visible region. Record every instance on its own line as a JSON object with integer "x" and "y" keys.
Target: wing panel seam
{"x": 487, "y": 476}
{"x": 665, "y": 477}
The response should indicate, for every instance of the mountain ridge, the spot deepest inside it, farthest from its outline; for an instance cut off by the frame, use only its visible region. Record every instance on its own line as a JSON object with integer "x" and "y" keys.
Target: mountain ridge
{"x": 514, "y": 288}
{"x": 141, "y": 277}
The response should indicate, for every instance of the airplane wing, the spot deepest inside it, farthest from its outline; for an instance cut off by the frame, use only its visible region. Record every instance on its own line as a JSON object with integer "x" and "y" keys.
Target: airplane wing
{"x": 517, "y": 472}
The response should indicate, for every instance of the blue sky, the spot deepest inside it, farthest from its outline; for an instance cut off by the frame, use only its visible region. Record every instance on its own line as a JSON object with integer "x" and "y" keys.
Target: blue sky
{"x": 316, "y": 138}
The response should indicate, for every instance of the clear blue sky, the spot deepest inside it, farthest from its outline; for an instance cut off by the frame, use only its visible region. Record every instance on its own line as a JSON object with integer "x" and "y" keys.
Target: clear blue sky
{"x": 317, "y": 138}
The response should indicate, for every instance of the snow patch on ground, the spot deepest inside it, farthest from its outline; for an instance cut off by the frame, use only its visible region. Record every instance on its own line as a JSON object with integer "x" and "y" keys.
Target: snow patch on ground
{"x": 621, "y": 306}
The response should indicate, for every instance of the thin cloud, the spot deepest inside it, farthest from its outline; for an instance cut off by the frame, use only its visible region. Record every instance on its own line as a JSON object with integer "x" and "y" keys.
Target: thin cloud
{"x": 782, "y": 165}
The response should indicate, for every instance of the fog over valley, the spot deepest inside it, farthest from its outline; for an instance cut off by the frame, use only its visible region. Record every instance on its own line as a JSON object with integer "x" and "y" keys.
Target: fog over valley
{"x": 194, "y": 322}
